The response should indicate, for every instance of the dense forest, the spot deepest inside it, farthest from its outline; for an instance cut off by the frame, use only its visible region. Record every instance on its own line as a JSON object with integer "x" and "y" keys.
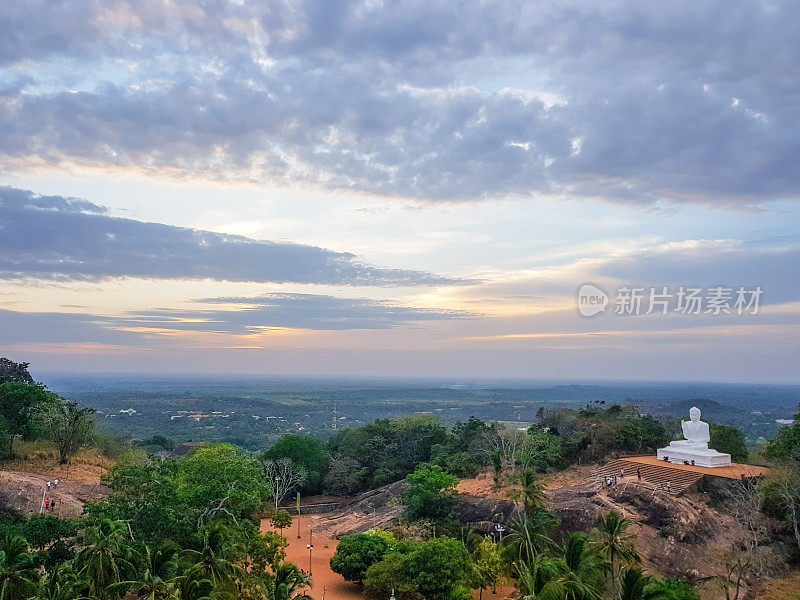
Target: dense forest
{"x": 188, "y": 527}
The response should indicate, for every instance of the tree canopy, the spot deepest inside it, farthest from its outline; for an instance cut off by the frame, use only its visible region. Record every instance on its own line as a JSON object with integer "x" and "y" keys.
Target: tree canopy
{"x": 308, "y": 454}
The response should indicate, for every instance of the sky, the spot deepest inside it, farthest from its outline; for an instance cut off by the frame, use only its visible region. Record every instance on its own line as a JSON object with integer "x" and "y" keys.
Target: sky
{"x": 402, "y": 189}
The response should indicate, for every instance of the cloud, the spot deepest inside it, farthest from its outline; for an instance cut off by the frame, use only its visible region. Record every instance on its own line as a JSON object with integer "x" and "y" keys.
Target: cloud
{"x": 630, "y": 102}
{"x": 296, "y": 311}
{"x": 54, "y": 237}
{"x": 240, "y": 316}
{"x": 710, "y": 263}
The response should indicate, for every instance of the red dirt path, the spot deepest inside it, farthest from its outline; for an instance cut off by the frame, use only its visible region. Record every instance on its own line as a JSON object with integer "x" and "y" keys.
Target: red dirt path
{"x": 322, "y": 577}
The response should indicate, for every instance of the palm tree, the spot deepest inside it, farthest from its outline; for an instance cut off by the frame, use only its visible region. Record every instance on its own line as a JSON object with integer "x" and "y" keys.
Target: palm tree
{"x": 191, "y": 588}
{"x": 636, "y": 586}
{"x": 61, "y": 584}
{"x": 528, "y": 535}
{"x": 535, "y": 580}
{"x": 212, "y": 561}
{"x": 531, "y": 492}
{"x": 470, "y": 538}
{"x": 17, "y": 577}
{"x": 582, "y": 566}
{"x": 288, "y": 583}
{"x": 104, "y": 560}
{"x": 614, "y": 543}
{"x": 156, "y": 580}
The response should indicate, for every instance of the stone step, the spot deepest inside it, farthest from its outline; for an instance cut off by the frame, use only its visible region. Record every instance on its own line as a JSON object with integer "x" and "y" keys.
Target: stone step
{"x": 657, "y": 475}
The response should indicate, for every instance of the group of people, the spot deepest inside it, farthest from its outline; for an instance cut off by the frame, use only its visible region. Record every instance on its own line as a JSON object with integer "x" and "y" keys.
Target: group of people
{"x": 49, "y": 503}
{"x": 612, "y": 480}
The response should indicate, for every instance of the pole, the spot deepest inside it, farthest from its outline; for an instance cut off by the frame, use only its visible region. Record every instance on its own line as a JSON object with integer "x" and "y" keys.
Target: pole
{"x": 298, "y": 515}
{"x": 310, "y": 547}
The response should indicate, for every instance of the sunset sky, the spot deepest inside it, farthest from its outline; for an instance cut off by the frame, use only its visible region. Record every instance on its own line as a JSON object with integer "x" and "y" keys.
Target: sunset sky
{"x": 398, "y": 188}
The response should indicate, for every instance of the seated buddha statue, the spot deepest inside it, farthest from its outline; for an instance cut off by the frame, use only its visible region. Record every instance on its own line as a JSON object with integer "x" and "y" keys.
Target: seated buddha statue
{"x": 695, "y": 431}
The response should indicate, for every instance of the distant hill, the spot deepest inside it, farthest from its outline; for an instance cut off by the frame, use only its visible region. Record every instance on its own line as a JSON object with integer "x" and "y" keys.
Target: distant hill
{"x": 756, "y": 420}
{"x": 711, "y": 409}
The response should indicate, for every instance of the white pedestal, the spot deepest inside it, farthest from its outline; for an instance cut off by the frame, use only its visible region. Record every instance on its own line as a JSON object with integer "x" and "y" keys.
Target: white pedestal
{"x": 702, "y": 457}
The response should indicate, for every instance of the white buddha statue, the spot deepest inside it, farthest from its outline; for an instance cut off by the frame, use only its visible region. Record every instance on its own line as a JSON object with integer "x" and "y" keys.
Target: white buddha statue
{"x": 694, "y": 450}
{"x": 695, "y": 431}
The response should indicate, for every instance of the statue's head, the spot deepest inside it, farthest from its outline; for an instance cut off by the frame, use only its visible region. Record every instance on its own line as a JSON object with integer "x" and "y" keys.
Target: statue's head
{"x": 694, "y": 414}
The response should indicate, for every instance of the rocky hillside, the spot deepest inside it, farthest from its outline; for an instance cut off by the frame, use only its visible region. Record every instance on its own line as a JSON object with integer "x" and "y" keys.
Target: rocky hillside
{"x": 23, "y": 493}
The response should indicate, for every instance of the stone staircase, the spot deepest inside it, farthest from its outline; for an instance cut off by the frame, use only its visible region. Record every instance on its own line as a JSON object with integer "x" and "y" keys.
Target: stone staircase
{"x": 656, "y": 475}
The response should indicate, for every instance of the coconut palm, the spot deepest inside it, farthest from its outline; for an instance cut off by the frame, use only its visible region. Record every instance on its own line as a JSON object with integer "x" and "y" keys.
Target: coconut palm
{"x": 105, "y": 559}
{"x": 529, "y": 535}
{"x": 637, "y": 586}
{"x": 614, "y": 542}
{"x": 212, "y": 562}
{"x": 531, "y": 492}
{"x": 17, "y": 577}
{"x": 288, "y": 583}
{"x": 575, "y": 576}
{"x": 536, "y": 580}
{"x": 470, "y": 538}
{"x": 61, "y": 584}
{"x": 581, "y": 560}
{"x": 156, "y": 579}
{"x": 191, "y": 588}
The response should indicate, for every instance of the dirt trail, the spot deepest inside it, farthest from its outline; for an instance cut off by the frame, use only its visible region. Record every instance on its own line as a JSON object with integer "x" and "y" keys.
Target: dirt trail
{"x": 322, "y": 577}
{"x": 24, "y": 493}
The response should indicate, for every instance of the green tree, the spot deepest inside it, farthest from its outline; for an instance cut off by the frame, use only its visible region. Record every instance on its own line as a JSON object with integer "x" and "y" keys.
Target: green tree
{"x": 42, "y": 530}
{"x": 263, "y": 554}
{"x": 104, "y": 558}
{"x": 288, "y": 583}
{"x": 781, "y": 490}
{"x": 583, "y": 565}
{"x": 729, "y": 439}
{"x": 191, "y": 587}
{"x": 439, "y": 567}
{"x": 541, "y": 451}
{"x": 637, "y": 586}
{"x": 281, "y": 519}
{"x": 223, "y": 474}
{"x": 68, "y": 426}
{"x": 307, "y": 453}
{"x": 488, "y": 566}
{"x": 216, "y": 560}
{"x": 356, "y": 553}
{"x": 786, "y": 445}
{"x": 676, "y": 589}
{"x": 431, "y": 493}
{"x": 614, "y": 542}
{"x": 14, "y": 372}
{"x": 386, "y": 451}
{"x": 529, "y": 536}
{"x": 19, "y": 404}
{"x": 390, "y": 575}
{"x": 61, "y": 583}
{"x": 17, "y": 576}
{"x": 537, "y": 580}
{"x": 173, "y": 499}
{"x": 531, "y": 492}
{"x": 156, "y": 579}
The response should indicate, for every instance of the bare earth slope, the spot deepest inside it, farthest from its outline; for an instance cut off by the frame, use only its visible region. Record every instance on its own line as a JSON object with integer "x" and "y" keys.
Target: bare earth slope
{"x": 22, "y": 493}
{"x": 23, "y": 481}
